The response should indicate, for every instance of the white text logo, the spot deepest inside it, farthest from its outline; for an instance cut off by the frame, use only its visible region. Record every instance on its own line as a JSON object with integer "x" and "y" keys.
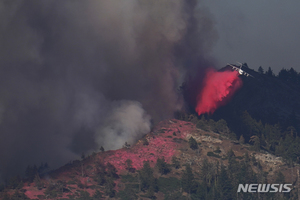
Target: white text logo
{"x": 264, "y": 187}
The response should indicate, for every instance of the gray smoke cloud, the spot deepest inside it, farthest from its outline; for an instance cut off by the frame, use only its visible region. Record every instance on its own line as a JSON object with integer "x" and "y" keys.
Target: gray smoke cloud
{"x": 77, "y": 75}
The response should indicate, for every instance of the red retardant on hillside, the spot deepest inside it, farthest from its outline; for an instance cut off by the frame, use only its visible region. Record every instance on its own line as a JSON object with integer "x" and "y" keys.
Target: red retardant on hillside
{"x": 165, "y": 140}
{"x": 161, "y": 144}
{"x": 218, "y": 88}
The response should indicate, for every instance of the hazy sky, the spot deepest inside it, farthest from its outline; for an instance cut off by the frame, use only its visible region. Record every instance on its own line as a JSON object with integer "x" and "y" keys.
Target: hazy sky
{"x": 259, "y": 32}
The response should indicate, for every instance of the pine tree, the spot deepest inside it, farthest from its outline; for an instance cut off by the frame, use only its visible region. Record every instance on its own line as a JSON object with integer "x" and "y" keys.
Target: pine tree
{"x": 245, "y": 65}
{"x": 162, "y": 166}
{"x": 283, "y": 74}
{"x": 256, "y": 142}
{"x": 221, "y": 126}
{"x": 293, "y": 76}
{"x": 102, "y": 149}
{"x": 109, "y": 187}
{"x": 193, "y": 143}
{"x": 175, "y": 162}
{"x": 111, "y": 170}
{"x": 128, "y": 164}
{"x": 152, "y": 188}
{"x": 260, "y": 70}
{"x": 269, "y": 72}
{"x": 225, "y": 186}
{"x": 146, "y": 176}
{"x": 100, "y": 173}
{"x": 251, "y": 126}
{"x": 187, "y": 179}
{"x": 230, "y": 154}
{"x": 207, "y": 172}
{"x": 246, "y": 157}
{"x": 82, "y": 156}
{"x": 202, "y": 123}
{"x": 233, "y": 170}
{"x": 31, "y": 172}
{"x": 37, "y": 181}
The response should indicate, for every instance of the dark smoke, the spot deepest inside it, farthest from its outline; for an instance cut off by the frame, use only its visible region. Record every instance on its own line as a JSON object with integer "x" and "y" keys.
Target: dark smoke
{"x": 75, "y": 75}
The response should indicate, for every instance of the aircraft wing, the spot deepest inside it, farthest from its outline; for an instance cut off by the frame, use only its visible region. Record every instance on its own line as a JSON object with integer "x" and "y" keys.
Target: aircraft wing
{"x": 234, "y": 67}
{"x": 245, "y": 73}
{"x": 242, "y": 72}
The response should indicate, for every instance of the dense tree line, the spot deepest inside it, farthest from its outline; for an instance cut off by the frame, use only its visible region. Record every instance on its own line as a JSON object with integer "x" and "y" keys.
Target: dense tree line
{"x": 215, "y": 181}
{"x": 280, "y": 141}
{"x": 288, "y": 75}
{"x": 291, "y": 76}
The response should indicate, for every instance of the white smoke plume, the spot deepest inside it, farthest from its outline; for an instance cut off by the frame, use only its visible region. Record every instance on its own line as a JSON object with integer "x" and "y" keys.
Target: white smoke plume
{"x": 126, "y": 123}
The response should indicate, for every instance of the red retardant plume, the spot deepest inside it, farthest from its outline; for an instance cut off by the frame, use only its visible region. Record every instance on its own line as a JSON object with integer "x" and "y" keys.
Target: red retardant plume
{"x": 218, "y": 88}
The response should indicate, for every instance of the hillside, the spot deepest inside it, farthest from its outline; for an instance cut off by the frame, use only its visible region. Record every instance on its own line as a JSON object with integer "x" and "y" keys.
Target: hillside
{"x": 125, "y": 174}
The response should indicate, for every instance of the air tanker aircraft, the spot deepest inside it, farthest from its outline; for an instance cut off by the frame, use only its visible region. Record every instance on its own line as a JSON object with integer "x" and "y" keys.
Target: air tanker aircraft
{"x": 239, "y": 69}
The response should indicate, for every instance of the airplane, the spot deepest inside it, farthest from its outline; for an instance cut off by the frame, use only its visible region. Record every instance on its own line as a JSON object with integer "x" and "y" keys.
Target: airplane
{"x": 239, "y": 69}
